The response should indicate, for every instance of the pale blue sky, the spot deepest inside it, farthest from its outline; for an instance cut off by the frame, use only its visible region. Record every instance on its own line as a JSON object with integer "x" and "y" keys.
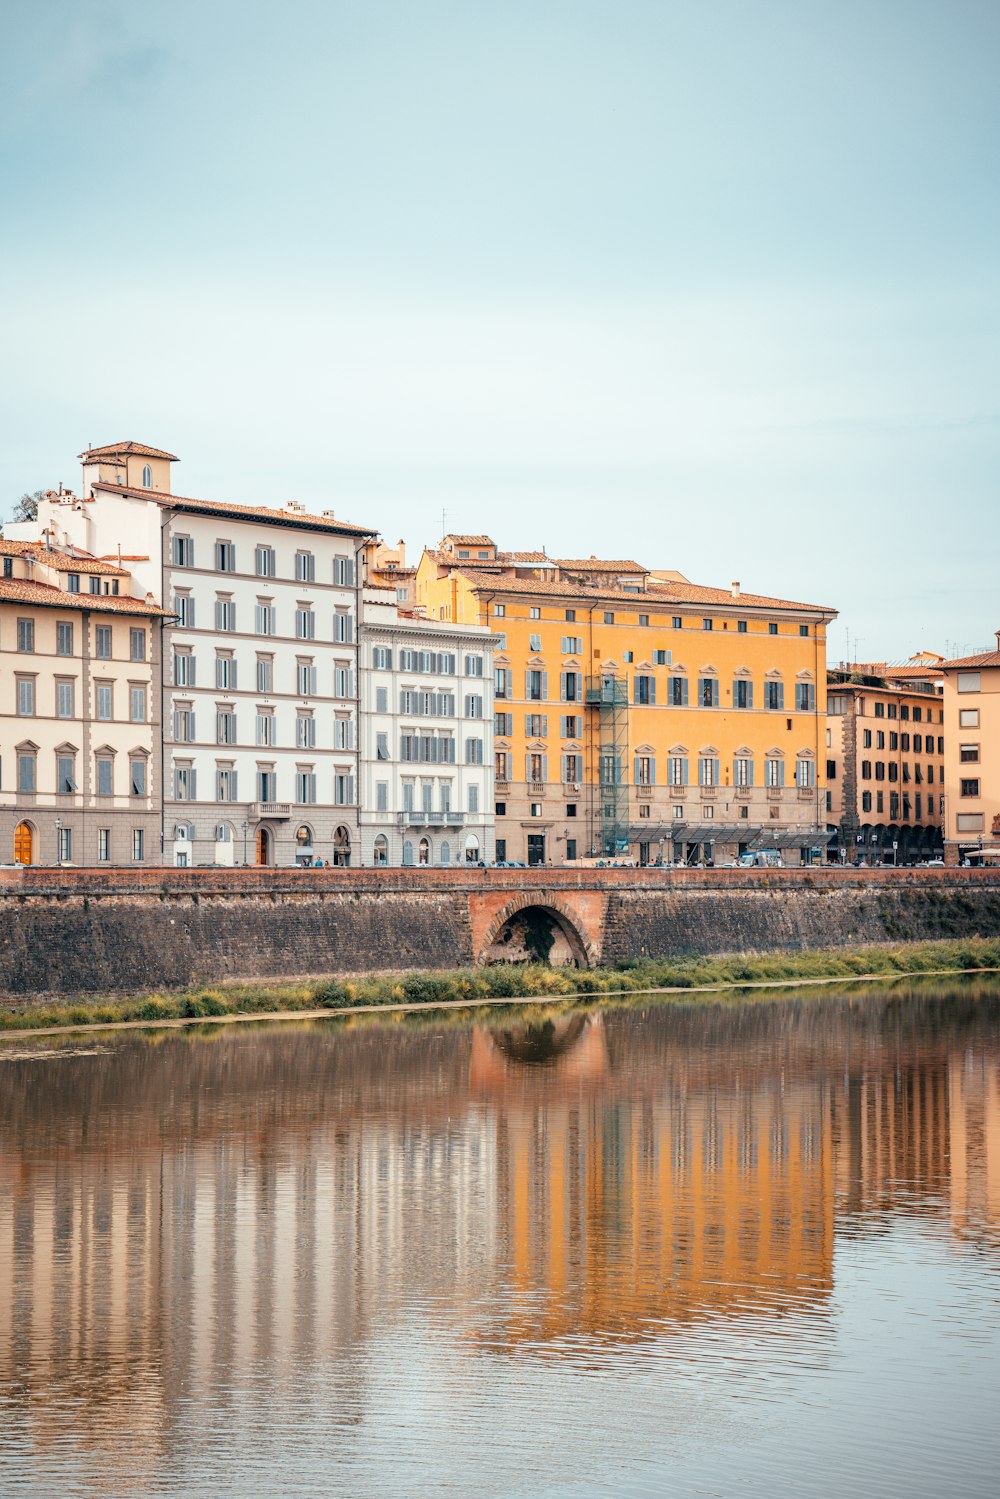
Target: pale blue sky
{"x": 714, "y": 284}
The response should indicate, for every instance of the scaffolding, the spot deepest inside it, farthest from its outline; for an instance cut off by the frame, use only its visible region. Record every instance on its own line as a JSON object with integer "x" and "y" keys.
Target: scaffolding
{"x": 608, "y": 695}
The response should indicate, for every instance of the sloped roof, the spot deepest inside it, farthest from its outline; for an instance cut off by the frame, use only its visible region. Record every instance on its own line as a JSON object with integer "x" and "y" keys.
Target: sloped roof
{"x": 661, "y": 594}
{"x": 985, "y": 658}
{"x": 599, "y": 565}
{"x": 61, "y": 562}
{"x": 21, "y": 591}
{"x": 131, "y": 449}
{"x": 297, "y": 519}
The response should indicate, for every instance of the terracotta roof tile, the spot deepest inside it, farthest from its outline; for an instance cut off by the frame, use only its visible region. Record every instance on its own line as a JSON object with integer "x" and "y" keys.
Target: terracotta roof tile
{"x": 130, "y": 449}
{"x": 985, "y": 658}
{"x": 470, "y": 541}
{"x": 62, "y": 562}
{"x": 20, "y": 591}
{"x": 301, "y": 520}
{"x": 663, "y": 594}
{"x": 599, "y": 565}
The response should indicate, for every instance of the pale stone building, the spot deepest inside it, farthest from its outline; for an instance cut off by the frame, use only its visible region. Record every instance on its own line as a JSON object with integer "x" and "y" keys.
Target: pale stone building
{"x": 260, "y": 685}
{"x": 80, "y": 670}
{"x": 426, "y": 738}
{"x": 972, "y": 761}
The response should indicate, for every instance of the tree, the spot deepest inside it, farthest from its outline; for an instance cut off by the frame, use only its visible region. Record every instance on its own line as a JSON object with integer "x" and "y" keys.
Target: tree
{"x": 27, "y": 507}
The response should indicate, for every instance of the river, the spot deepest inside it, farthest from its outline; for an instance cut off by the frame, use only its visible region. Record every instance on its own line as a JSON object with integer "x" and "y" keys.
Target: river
{"x": 747, "y": 1248}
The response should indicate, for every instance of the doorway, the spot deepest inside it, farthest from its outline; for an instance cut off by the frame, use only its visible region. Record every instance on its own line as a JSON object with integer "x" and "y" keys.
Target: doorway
{"x": 24, "y": 843}
{"x": 263, "y": 846}
{"x": 536, "y": 848}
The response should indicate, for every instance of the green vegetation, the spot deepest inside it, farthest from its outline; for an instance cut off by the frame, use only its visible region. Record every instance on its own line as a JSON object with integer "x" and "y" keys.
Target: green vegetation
{"x": 507, "y": 982}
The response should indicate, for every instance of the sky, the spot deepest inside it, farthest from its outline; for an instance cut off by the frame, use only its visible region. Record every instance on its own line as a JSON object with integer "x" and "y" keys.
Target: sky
{"x": 714, "y": 284}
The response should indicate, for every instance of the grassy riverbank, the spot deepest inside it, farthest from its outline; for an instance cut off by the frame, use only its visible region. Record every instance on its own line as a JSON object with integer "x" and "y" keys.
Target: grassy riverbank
{"x": 513, "y": 982}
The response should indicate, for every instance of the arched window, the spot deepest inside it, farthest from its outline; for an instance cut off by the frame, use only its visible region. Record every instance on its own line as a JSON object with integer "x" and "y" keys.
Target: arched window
{"x": 407, "y": 853}
{"x": 446, "y": 852}
{"x": 382, "y": 851}
{"x": 304, "y": 836}
{"x": 472, "y": 849}
{"x": 147, "y": 477}
{"x": 342, "y": 848}
{"x": 424, "y": 851}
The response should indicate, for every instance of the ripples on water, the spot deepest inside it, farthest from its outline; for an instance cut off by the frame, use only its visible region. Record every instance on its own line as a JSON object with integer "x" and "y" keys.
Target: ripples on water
{"x": 684, "y": 1250}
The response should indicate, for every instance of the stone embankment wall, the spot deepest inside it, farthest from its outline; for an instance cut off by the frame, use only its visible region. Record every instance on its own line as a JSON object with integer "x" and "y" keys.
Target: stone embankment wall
{"x": 65, "y": 932}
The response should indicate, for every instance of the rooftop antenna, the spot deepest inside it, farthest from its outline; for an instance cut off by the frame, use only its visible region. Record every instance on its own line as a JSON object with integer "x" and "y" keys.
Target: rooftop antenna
{"x": 444, "y": 529}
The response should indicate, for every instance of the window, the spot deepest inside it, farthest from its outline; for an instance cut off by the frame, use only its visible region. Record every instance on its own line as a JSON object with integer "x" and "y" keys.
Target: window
{"x": 382, "y": 658}
{"x": 609, "y": 617}
{"x": 225, "y": 783}
{"x": 772, "y": 628}
{"x": 742, "y": 771}
{"x": 473, "y": 799}
{"x": 968, "y": 718}
{"x": 103, "y": 642}
{"x": 105, "y": 706}
{"x": 970, "y": 787}
{"x": 708, "y": 771}
{"x": 225, "y": 613}
{"x": 473, "y": 666}
{"x": 184, "y": 725}
{"x": 536, "y": 725}
{"x": 184, "y": 609}
{"x": 805, "y": 697}
{"x": 184, "y": 669}
{"x": 677, "y": 692}
{"x": 305, "y": 787}
{"x": 182, "y": 551}
{"x": 880, "y": 739}
{"x": 264, "y": 618}
{"x": 147, "y": 476}
{"x": 343, "y": 681}
{"x": 499, "y": 610}
{"x": 534, "y": 643}
{"x": 265, "y": 562}
{"x": 343, "y": 627}
{"x": 708, "y": 692}
{"x": 65, "y": 774}
{"x": 225, "y": 671}
{"x": 774, "y": 696}
{"x": 305, "y": 567}
{"x": 103, "y": 845}
{"x": 64, "y": 638}
{"x": 305, "y": 624}
{"x": 306, "y": 678}
{"x": 26, "y": 636}
{"x": 65, "y": 845}
{"x": 805, "y": 773}
{"x": 343, "y": 572}
{"x": 742, "y": 693}
{"x": 968, "y": 681}
{"x": 706, "y": 624}
{"x": 880, "y": 710}
{"x": 225, "y": 557}
{"x": 185, "y": 783}
{"x": 265, "y": 727}
{"x": 677, "y": 770}
{"x": 645, "y": 770}
{"x": 570, "y": 616}
{"x": 473, "y": 752}
{"x": 473, "y": 705}
{"x": 381, "y": 796}
{"x": 343, "y": 789}
{"x": 774, "y": 773}
{"x": 137, "y": 704}
{"x": 265, "y": 673}
{"x": 105, "y": 776}
{"x": 571, "y": 686}
{"x": 535, "y": 683}
{"x": 138, "y": 844}
{"x": 968, "y": 754}
{"x": 866, "y": 737}
{"x": 572, "y": 769}
{"x": 305, "y": 731}
{"x": 137, "y": 645}
{"x": 95, "y": 584}
{"x": 970, "y": 822}
{"x": 534, "y": 612}
{"x": 64, "y": 699}
{"x": 866, "y": 801}
{"x": 645, "y": 690}
{"x": 804, "y": 631}
{"x": 72, "y": 579}
{"x": 25, "y": 697}
{"x": 267, "y": 786}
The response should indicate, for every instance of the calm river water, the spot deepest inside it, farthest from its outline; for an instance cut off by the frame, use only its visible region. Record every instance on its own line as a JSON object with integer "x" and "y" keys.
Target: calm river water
{"x": 748, "y": 1249}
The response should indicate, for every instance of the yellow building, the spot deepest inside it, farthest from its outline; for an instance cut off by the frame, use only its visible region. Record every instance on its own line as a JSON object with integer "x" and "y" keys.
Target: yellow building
{"x": 972, "y": 775}
{"x": 638, "y": 714}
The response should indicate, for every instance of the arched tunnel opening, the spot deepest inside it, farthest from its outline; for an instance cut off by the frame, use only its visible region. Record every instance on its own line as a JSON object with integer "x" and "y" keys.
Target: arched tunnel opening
{"x": 537, "y": 934}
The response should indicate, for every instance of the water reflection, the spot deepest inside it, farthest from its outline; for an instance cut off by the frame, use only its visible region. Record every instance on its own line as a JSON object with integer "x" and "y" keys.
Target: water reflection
{"x": 196, "y": 1223}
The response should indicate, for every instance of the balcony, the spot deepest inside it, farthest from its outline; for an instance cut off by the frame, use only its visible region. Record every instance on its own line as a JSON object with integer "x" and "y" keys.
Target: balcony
{"x": 420, "y": 819}
{"x": 277, "y": 811}
{"x": 644, "y": 793}
{"x": 502, "y": 788}
{"x": 805, "y": 793}
{"x": 774, "y": 793}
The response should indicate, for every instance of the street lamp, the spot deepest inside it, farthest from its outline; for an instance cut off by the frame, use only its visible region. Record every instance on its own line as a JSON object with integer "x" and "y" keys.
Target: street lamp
{"x": 244, "y": 845}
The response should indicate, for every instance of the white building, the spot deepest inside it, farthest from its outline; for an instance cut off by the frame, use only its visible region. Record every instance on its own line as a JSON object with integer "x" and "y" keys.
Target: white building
{"x": 426, "y": 738}
{"x": 260, "y": 710}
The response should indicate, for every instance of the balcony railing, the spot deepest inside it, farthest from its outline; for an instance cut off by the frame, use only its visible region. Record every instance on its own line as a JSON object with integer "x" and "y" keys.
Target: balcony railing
{"x": 421, "y": 819}
{"x": 279, "y": 811}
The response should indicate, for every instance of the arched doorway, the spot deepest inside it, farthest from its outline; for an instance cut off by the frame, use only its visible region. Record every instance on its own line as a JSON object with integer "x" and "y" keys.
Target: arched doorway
{"x": 24, "y": 843}
{"x": 342, "y": 848}
{"x": 471, "y": 849}
{"x": 381, "y": 851}
{"x": 407, "y": 853}
{"x": 424, "y": 851}
{"x": 263, "y": 846}
{"x": 304, "y": 852}
{"x": 446, "y": 852}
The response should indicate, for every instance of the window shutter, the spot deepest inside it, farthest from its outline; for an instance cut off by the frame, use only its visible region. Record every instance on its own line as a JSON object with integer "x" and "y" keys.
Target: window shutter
{"x": 562, "y": 685}
{"x": 635, "y": 771}
{"x": 545, "y": 767}
{"x": 545, "y": 686}
{"x": 652, "y": 770}
{"x": 684, "y": 703}
{"x": 684, "y": 771}
{"x": 527, "y": 768}
{"x": 527, "y": 685}
{"x": 750, "y": 765}
{"x": 781, "y": 698}
{"x": 652, "y": 689}
{"x": 509, "y": 683}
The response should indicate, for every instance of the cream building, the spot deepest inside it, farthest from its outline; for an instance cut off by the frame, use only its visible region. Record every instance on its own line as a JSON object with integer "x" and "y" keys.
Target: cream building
{"x": 426, "y": 738}
{"x": 80, "y": 671}
{"x": 260, "y": 687}
{"x": 971, "y": 766}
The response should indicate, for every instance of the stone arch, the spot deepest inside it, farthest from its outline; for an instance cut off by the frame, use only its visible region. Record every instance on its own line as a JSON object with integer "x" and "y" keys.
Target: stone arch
{"x": 563, "y": 922}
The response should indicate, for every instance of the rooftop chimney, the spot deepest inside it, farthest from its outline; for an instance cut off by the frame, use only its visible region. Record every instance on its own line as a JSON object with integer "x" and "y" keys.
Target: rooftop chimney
{"x": 736, "y": 588}
{"x": 997, "y": 633}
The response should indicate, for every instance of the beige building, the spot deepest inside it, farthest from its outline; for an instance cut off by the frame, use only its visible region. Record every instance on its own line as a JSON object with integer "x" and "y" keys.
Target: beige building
{"x": 80, "y": 671}
{"x": 885, "y": 745}
{"x": 972, "y": 773}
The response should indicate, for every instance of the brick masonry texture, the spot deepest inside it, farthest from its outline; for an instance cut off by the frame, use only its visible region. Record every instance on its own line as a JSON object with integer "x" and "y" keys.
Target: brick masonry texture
{"x": 79, "y": 932}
